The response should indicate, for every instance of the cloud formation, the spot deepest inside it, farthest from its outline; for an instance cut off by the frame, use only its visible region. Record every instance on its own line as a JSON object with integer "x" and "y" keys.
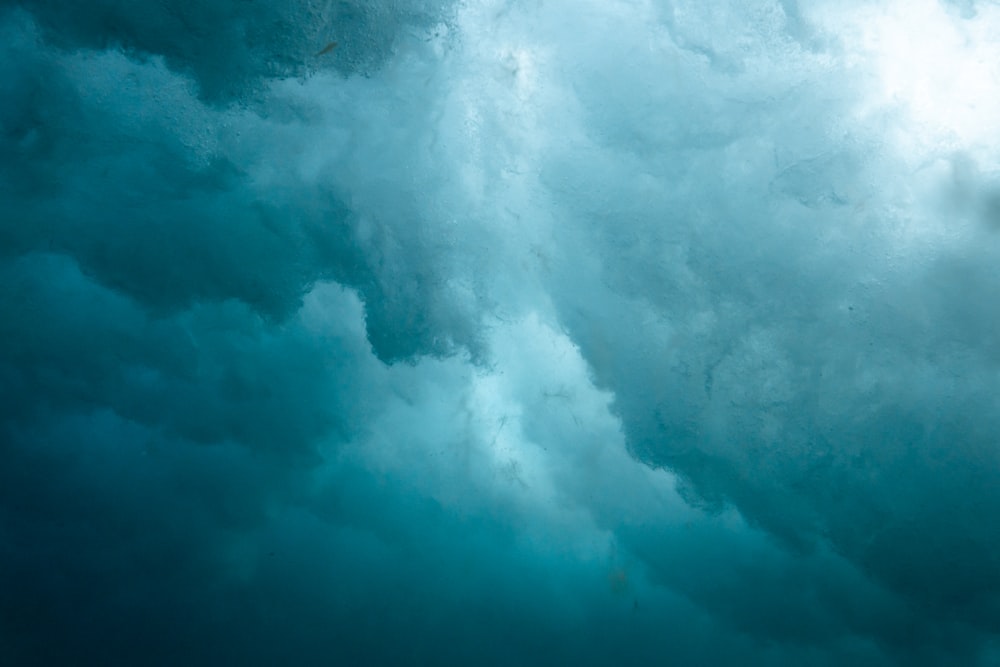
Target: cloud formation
{"x": 504, "y": 332}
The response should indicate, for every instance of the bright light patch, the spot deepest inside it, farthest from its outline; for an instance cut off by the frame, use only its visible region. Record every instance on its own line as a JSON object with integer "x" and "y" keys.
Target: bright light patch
{"x": 942, "y": 70}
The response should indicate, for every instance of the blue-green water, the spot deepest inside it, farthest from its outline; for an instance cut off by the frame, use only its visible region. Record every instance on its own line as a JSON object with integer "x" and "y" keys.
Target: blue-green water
{"x": 499, "y": 332}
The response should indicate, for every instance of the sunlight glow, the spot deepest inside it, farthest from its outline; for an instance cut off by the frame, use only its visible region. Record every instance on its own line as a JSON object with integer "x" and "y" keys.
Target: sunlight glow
{"x": 941, "y": 69}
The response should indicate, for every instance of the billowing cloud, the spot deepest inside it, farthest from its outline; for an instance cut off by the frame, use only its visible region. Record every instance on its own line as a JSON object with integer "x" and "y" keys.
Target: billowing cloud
{"x": 500, "y": 332}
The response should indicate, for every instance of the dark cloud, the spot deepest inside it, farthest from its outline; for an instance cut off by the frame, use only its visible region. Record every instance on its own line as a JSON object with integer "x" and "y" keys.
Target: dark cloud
{"x": 492, "y": 335}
